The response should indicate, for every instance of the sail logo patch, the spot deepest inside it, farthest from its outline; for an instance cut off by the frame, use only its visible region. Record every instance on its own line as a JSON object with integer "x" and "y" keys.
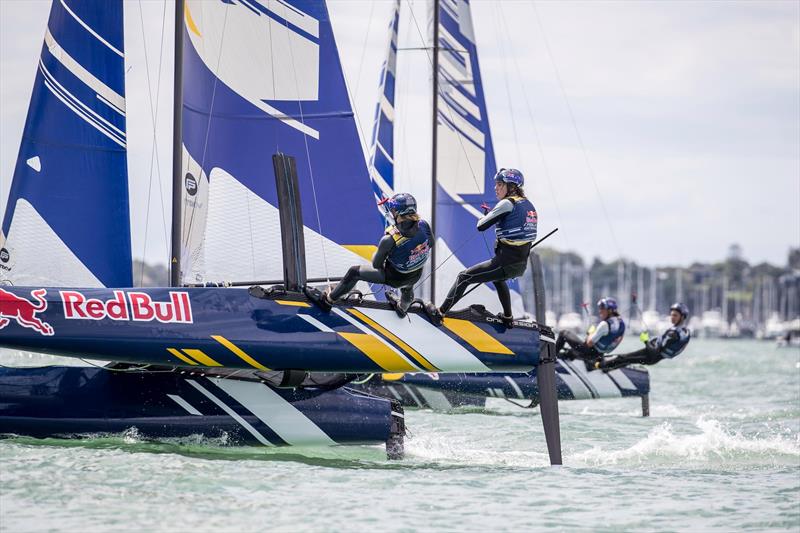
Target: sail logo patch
{"x": 136, "y": 306}
{"x": 24, "y": 311}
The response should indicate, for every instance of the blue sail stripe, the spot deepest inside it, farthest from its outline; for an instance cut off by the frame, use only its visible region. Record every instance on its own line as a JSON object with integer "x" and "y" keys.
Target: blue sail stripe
{"x": 81, "y": 109}
{"x": 91, "y": 31}
{"x": 49, "y": 77}
{"x": 87, "y": 50}
{"x": 84, "y": 117}
{"x": 259, "y": 9}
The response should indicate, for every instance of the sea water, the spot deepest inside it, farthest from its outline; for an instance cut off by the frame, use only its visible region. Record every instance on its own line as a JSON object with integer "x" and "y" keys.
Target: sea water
{"x": 720, "y": 451}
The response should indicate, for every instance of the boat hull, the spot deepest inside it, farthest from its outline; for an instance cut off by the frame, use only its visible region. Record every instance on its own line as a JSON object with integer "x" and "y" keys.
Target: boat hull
{"x": 247, "y": 329}
{"x": 449, "y": 390}
{"x": 62, "y": 401}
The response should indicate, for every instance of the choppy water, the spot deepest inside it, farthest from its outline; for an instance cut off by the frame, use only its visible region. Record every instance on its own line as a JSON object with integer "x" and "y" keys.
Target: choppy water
{"x": 721, "y": 451}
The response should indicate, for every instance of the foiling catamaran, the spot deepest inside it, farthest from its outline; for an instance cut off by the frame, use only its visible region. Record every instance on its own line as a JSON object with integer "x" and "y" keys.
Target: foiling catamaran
{"x": 253, "y": 360}
{"x": 463, "y": 168}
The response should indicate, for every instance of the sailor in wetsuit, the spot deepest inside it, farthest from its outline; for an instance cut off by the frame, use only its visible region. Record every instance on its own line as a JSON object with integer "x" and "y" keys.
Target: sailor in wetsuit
{"x": 516, "y": 221}
{"x": 398, "y": 262}
{"x": 671, "y": 343}
{"x": 600, "y": 340}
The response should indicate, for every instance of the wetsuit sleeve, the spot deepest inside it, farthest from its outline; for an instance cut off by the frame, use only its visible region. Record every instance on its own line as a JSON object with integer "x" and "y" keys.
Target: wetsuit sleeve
{"x": 502, "y": 208}
{"x": 599, "y": 332}
{"x": 384, "y": 247}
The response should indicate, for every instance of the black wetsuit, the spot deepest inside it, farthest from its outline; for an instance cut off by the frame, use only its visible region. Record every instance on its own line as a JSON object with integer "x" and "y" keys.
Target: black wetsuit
{"x": 669, "y": 345}
{"x": 516, "y": 229}
{"x": 398, "y": 262}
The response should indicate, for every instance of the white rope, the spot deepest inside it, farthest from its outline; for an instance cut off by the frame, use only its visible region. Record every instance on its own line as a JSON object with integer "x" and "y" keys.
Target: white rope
{"x": 153, "y": 121}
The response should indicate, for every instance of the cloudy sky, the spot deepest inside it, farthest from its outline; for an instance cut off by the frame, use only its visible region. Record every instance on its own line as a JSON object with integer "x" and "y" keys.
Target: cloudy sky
{"x": 679, "y": 120}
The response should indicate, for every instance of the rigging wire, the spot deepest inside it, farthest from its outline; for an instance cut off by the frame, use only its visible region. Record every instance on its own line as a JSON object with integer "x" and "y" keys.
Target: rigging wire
{"x": 208, "y": 129}
{"x": 460, "y": 140}
{"x": 537, "y": 136}
{"x": 363, "y": 49}
{"x": 575, "y": 125}
{"x": 154, "y": 122}
{"x": 502, "y": 48}
{"x": 308, "y": 155}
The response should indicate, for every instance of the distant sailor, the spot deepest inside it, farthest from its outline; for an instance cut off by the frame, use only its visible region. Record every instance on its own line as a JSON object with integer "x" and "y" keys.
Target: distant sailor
{"x": 516, "y": 221}
{"x": 601, "y": 339}
{"x": 398, "y": 262}
{"x": 669, "y": 345}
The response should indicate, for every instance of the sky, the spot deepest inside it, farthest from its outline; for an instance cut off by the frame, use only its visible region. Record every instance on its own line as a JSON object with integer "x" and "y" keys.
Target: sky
{"x": 658, "y": 131}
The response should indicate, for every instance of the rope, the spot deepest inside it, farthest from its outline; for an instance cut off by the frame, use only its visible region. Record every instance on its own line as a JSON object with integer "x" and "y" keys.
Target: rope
{"x": 208, "y": 125}
{"x": 575, "y": 127}
{"x": 308, "y": 155}
{"x": 537, "y": 137}
{"x": 154, "y": 121}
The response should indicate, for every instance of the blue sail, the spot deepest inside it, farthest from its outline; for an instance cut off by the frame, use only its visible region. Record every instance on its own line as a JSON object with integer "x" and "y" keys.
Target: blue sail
{"x": 382, "y": 147}
{"x": 67, "y": 219}
{"x": 465, "y": 157}
{"x": 263, "y": 77}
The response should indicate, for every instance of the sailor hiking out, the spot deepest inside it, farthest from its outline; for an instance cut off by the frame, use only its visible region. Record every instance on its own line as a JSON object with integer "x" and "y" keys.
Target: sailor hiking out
{"x": 602, "y": 338}
{"x": 398, "y": 262}
{"x": 669, "y": 345}
{"x": 515, "y": 221}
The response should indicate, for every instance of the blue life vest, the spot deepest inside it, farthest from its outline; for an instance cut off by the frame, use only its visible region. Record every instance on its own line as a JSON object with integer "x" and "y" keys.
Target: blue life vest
{"x": 410, "y": 253}
{"x": 609, "y": 341}
{"x": 673, "y": 341}
{"x": 519, "y": 226}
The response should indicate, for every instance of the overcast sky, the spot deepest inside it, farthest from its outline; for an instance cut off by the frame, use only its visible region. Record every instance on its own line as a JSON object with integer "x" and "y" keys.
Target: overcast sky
{"x": 686, "y": 114}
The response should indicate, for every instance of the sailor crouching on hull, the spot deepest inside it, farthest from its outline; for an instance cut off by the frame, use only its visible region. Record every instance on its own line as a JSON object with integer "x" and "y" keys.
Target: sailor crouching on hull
{"x": 669, "y": 345}
{"x": 601, "y": 339}
{"x": 516, "y": 223}
{"x": 402, "y": 252}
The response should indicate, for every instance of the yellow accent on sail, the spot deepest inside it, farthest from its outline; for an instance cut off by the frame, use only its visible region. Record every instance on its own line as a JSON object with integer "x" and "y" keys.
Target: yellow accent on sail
{"x": 238, "y": 352}
{"x": 383, "y": 356}
{"x": 364, "y": 250}
{"x": 392, "y": 337}
{"x": 180, "y": 356}
{"x": 190, "y": 21}
{"x": 475, "y": 336}
{"x": 392, "y": 376}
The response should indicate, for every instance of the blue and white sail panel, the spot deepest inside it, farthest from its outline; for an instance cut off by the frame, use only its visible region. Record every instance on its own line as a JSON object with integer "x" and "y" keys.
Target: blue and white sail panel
{"x": 262, "y": 77}
{"x": 465, "y": 163}
{"x": 67, "y": 220}
{"x": 382, "y": 147}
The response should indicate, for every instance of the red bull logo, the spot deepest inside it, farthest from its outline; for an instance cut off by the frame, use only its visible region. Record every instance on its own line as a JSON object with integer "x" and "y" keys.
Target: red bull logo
{"x": 137, "y": 306}
{"x": 24, "y": 311}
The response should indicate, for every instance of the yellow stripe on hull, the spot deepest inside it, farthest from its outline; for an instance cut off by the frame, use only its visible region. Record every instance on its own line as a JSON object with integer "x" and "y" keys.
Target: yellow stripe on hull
{"x": 180, "y": 356}
{"x": 238, "y": 352}
{"x": 380, "y": 353}
{"x": 476, "y": 337}
{"x": 200, "y": 357}
{"x": 395, "y": 339}
{"x": 289, "y": 302}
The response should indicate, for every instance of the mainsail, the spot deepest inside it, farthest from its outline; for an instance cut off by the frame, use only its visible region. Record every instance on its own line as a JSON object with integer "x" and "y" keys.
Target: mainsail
{"x": 465, "y": 163}
{"x": 259, "y": 78}
{"x": 67, "y": 220}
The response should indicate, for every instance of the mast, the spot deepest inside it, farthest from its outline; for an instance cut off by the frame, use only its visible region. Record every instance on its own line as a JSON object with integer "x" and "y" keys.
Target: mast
{"x": 433, "y": 144}
{"x": 177, "y": 149}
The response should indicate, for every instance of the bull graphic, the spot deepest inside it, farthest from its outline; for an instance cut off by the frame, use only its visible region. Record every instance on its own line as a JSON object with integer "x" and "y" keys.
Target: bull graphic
{"x": 24, "y": 311}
